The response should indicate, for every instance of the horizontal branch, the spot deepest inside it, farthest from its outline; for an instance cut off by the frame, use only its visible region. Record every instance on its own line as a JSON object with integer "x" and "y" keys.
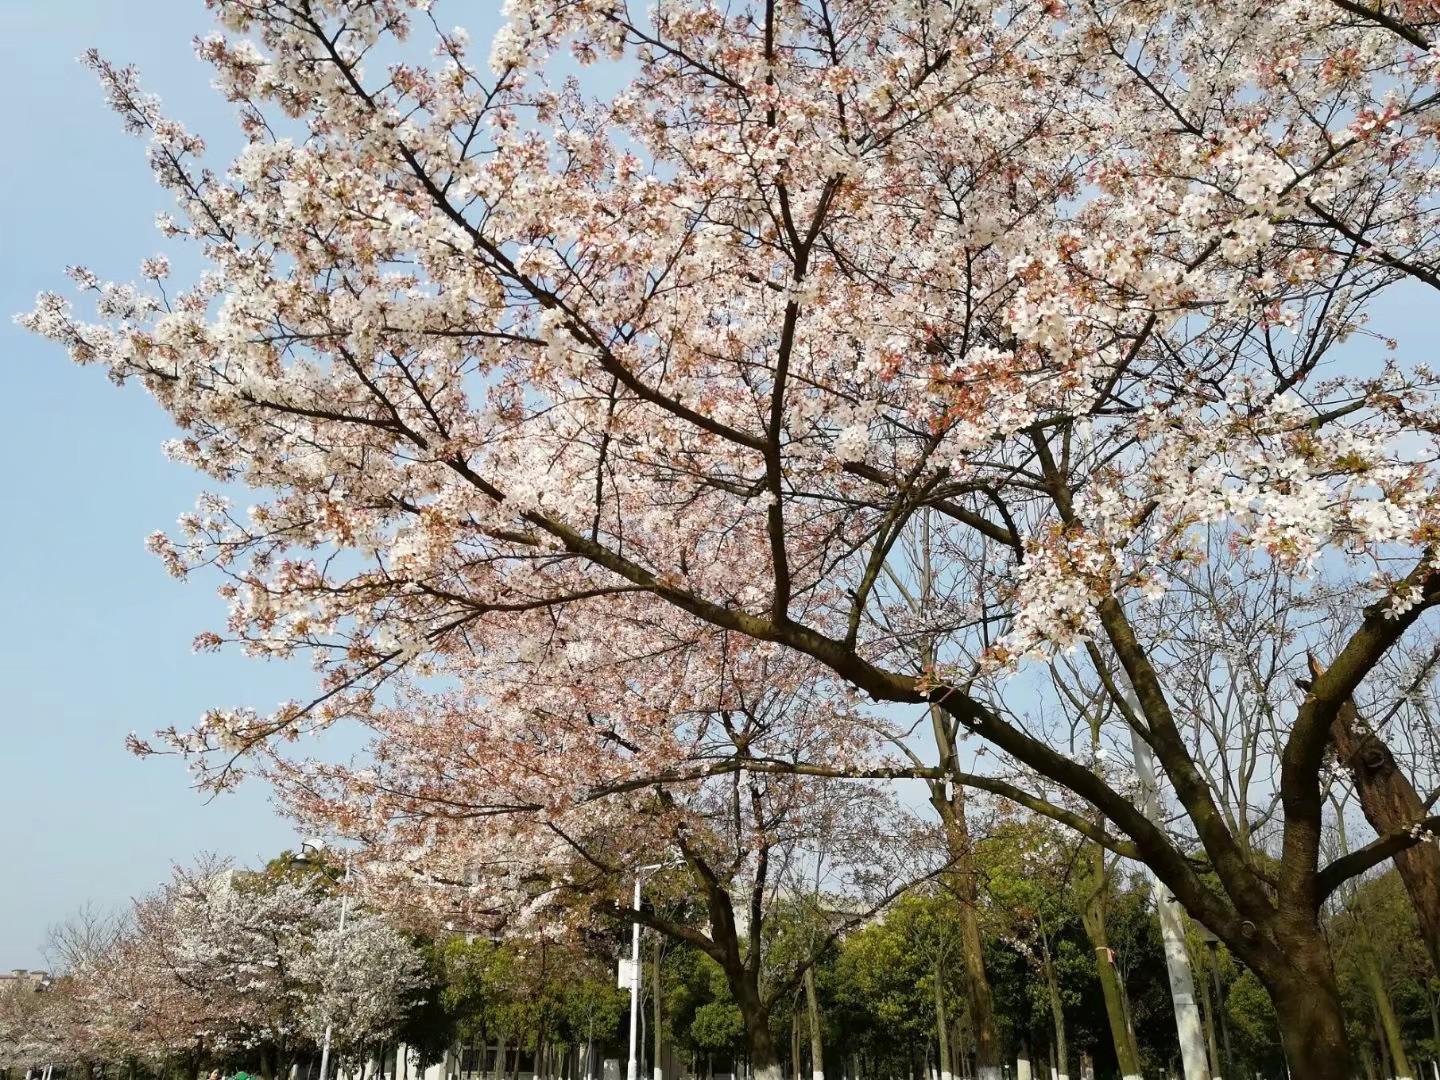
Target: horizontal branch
{"x": 1374, "y": 853}
{"x": 678, "y": 931}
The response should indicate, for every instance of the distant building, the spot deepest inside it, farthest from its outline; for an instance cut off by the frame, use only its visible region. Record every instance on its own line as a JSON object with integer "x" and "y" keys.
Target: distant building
{"x": 20, "y": 979}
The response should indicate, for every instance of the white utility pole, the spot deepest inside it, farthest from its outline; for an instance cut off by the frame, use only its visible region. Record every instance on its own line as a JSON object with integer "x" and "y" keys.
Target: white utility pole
{"x": 633, "y": 1072}
{"x": 1172, "y": 926}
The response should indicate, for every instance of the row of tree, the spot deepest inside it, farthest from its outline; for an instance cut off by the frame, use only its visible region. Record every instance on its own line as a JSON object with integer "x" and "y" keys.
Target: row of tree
{"x": 238, "y": 969}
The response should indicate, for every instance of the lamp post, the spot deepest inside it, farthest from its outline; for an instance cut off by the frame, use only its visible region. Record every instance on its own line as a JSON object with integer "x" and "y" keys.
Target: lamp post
{"x": 633, "y": 1070}
{"x": 309, "y": 848}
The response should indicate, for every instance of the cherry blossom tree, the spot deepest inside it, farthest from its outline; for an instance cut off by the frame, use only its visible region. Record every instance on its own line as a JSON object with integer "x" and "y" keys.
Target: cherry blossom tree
{"x": 128, "y": 1003}
{"x": 218, "y": 960}
{"x": 36, "y": 1027}
{"x": 564, "y": 414}
{"x": 542, "y": 826}
{"x": 360, "y": 981}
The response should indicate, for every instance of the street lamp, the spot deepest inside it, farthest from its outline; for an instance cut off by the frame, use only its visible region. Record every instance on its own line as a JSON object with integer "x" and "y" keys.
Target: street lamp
{"x": 633, "y": 1071}
{"x": 310, "y": 849}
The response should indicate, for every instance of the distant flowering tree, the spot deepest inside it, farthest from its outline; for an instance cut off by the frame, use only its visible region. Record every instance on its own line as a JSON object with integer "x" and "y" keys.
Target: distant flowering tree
{"x": 360, "y": 980}
{"x": 36, "y": 1027}
{"x": 219, "y": 960}
{"x": 579, "y": 424}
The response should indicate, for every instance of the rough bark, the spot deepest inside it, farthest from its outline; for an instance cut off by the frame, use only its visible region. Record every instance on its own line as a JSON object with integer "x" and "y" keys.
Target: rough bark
{"x": 1391, "y": 805}
{"x": 1312, "y": 1024}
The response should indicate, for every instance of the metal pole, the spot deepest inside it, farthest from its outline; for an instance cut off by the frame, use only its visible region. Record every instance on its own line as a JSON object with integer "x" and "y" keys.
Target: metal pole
{"x": 1172, "y": 927}
{"x": 633, "y": 1073}
{"x": 344, "y": 911}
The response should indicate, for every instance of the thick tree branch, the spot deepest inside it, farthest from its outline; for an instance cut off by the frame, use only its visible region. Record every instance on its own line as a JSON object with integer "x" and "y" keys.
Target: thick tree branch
{"x": 1373, "y": 854}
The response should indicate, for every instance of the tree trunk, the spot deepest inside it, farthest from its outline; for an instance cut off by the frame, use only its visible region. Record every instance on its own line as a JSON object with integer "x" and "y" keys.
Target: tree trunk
{"x": 942, "y": 1025}
{"x": 1093, "y": 917}
{"x": 1387, "y": 1070}
{"x": 742, "y": 973}
{"x": 658, "y": 1064}
{"x": 964, "y": 880}
{"x": 1060, "y": 1069}
{"x": 1385, "y": 1013}
{"x": 1312, "y": 1024}
{"x": 500, "y": 1056}
{"x": 744, "y": 982}
{"x": 1391, "y": 805}
{"x": 1434, "y": 1003}
{"x": 1094, "y": 882}
{"x": 1022, "y": 1063}
{"x": 1207, "y": 1013}
{"x": 817, "y": 1044}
